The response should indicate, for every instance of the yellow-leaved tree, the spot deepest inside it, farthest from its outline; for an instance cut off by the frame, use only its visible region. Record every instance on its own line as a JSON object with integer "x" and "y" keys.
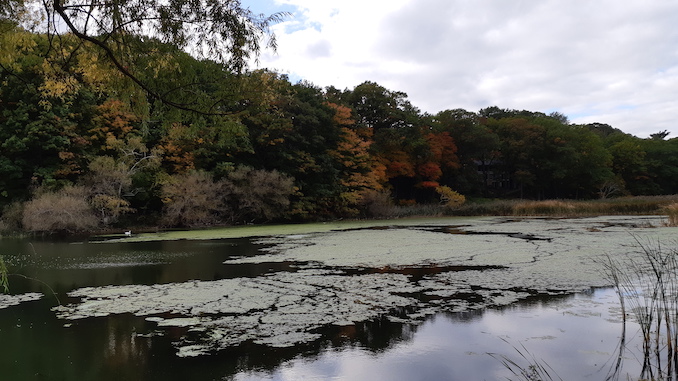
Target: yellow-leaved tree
{"x": 449, "y": 197}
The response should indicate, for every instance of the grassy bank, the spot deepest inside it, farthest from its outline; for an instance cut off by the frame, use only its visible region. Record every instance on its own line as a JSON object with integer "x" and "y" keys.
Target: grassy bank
{"x": 646, "y": 205}
{"x": 641, "y": 205}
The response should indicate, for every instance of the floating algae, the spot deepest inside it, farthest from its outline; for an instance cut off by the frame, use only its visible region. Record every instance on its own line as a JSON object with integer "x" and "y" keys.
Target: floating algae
{"x": 401, "y": 272}
{"x": 276, "y": 310}
{"x": 13, "y": 300}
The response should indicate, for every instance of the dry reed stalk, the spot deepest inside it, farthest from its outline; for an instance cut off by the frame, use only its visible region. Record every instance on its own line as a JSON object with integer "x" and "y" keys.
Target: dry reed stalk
{"x": 648, "y": 290}
{"x": 547, "y": 207}
{"x": 672, "y": 211}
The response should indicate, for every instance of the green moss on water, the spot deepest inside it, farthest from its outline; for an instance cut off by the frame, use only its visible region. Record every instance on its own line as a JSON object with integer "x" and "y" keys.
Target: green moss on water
{"x": 358, "y": 271}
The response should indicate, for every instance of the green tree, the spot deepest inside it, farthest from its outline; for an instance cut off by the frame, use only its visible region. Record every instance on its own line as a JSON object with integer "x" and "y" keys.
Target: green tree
{"x": 478, "y": 151}
{"x": 546, "y": 158}
{"x": 579, "y": 163}
{"x": 629, "y": 164}
{"x": 35, "y": 141}
{"x": 522, "y": 150}
{"x": 377, "y": 107}
{"x": 294, "y": 133}
{"x": 661, "y": 165}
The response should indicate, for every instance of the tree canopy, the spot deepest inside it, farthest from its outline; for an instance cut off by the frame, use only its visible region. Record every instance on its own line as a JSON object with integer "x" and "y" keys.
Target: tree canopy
{"x": 122, "y": 34}
{"x": 77, "y": 131}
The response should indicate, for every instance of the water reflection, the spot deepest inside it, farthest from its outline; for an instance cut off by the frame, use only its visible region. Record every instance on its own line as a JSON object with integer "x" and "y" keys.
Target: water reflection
{"x": 64, "y": 266}
{"x": 583, "y": 330}
{"x": 578, "y": 336}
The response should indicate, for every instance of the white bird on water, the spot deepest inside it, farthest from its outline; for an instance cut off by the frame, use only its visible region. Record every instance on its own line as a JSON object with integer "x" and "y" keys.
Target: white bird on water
{"x": 128, "y": 233}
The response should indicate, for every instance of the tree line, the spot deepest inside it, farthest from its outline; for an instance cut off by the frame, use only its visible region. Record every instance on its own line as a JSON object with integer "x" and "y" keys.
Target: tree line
{"x": 83, "y": 147}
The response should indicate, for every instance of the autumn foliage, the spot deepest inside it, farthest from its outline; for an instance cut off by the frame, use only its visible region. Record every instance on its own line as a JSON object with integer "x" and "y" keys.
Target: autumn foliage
{"x": 83, "y": 148}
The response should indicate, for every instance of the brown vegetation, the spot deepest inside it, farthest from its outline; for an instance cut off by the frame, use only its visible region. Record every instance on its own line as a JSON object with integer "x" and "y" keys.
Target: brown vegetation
{"x": 192, "y": 199}
{"x": 647, "y": 205}
{"x": 245, "y": 195}
{"x": 648, "y": 292}
{"x": 64, "y": 211}
{"x": 672, "y": 211}
{"x": 257, "y": 195}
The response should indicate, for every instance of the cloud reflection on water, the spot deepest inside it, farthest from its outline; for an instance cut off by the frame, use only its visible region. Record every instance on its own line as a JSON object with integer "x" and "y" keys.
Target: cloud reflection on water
{"x": 578, "y": 336}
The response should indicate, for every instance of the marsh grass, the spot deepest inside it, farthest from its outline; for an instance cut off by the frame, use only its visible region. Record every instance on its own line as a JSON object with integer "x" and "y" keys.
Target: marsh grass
{"x": 672, "y": 211}
{"x": 648, "y": 205}
{"x": 4, "y": 281}
{"x": 527, "y": 367}
{"x": 547, "y": 207}
{"x": 646, "y": 283}
{"x": 647, "y": 286}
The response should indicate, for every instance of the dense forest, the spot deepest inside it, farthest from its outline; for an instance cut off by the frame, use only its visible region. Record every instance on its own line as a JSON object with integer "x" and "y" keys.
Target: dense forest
{"x": 83, "y": 147}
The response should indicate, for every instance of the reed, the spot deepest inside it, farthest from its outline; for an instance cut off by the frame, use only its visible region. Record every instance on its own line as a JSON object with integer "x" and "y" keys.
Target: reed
{"x": 647, "y": 286}
{"x": 547, "y": 207}
{"x": 672, "y": 211}
{"x": 646, "y": 282}
{"x": 484, "y": 208}
{"x": 645, "y": 205}
{"x": 4, "y": 282}
{"x": 527, "y": 366}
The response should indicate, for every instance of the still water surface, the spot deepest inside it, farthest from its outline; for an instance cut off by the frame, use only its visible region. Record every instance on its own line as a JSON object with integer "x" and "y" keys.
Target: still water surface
{"x": 577, "y": 334}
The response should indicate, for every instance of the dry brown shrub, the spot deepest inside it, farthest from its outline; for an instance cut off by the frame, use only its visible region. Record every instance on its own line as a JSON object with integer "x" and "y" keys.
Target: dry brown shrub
{"x": 192, "y": 199}
{"x": 106, "y": 183}
{"x": 64, "y": 211}
{"x": 378, "y": 204}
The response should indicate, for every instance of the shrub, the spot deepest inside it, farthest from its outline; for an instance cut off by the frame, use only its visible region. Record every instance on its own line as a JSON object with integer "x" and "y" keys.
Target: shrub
{"x": 257, "y": 194}
{"x": 485, "y": 208}
{"x": 192, "y": 199}
{"x": 106, "y": 183}
{"x": 378, "y": 204}
{"x": 450, "y": 198}
{"x": 11, "y": 217}
{"x": 65, "y": 211}
{"x": 245, "y": 195}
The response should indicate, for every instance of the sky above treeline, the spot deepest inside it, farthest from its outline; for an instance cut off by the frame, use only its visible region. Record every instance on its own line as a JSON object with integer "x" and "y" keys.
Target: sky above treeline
{"x": 606, "y": 61}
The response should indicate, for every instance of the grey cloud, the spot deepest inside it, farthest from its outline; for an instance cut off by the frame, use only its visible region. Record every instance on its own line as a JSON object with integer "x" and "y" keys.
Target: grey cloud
{"x": 319, "y": 49}
{"x": 532, "y": 55}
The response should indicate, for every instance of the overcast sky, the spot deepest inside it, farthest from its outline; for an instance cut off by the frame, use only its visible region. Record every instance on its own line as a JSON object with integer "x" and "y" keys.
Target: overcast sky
{"x": 607, "y": 61}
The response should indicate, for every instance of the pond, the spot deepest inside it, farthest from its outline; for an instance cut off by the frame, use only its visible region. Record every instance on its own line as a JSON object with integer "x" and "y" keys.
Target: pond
{"x": 415, "y": 299}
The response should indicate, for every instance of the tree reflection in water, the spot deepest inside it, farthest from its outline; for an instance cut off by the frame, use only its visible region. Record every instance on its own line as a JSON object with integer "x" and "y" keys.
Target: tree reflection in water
{"x": 437, "y": 270}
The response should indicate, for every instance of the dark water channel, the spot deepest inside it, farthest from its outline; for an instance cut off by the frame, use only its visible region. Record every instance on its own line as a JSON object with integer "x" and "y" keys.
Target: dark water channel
{"x": 577, "y": 335}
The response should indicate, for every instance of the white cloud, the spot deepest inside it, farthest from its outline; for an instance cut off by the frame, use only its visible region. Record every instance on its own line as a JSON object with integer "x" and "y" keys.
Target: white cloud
{"x": 613, "y": 62}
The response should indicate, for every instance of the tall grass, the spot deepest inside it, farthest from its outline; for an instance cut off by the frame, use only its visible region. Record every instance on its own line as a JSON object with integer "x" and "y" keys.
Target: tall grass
{"x": 646, "y": 205}
{"x": 647, "y": 286}
{"x": 4, "y": 283}
{"x": 528, "y": 367}
{"x": 672, "y": 211}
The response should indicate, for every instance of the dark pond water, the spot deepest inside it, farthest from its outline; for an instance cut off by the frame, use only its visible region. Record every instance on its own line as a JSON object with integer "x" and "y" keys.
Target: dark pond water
{"x": 578, "y": 335}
